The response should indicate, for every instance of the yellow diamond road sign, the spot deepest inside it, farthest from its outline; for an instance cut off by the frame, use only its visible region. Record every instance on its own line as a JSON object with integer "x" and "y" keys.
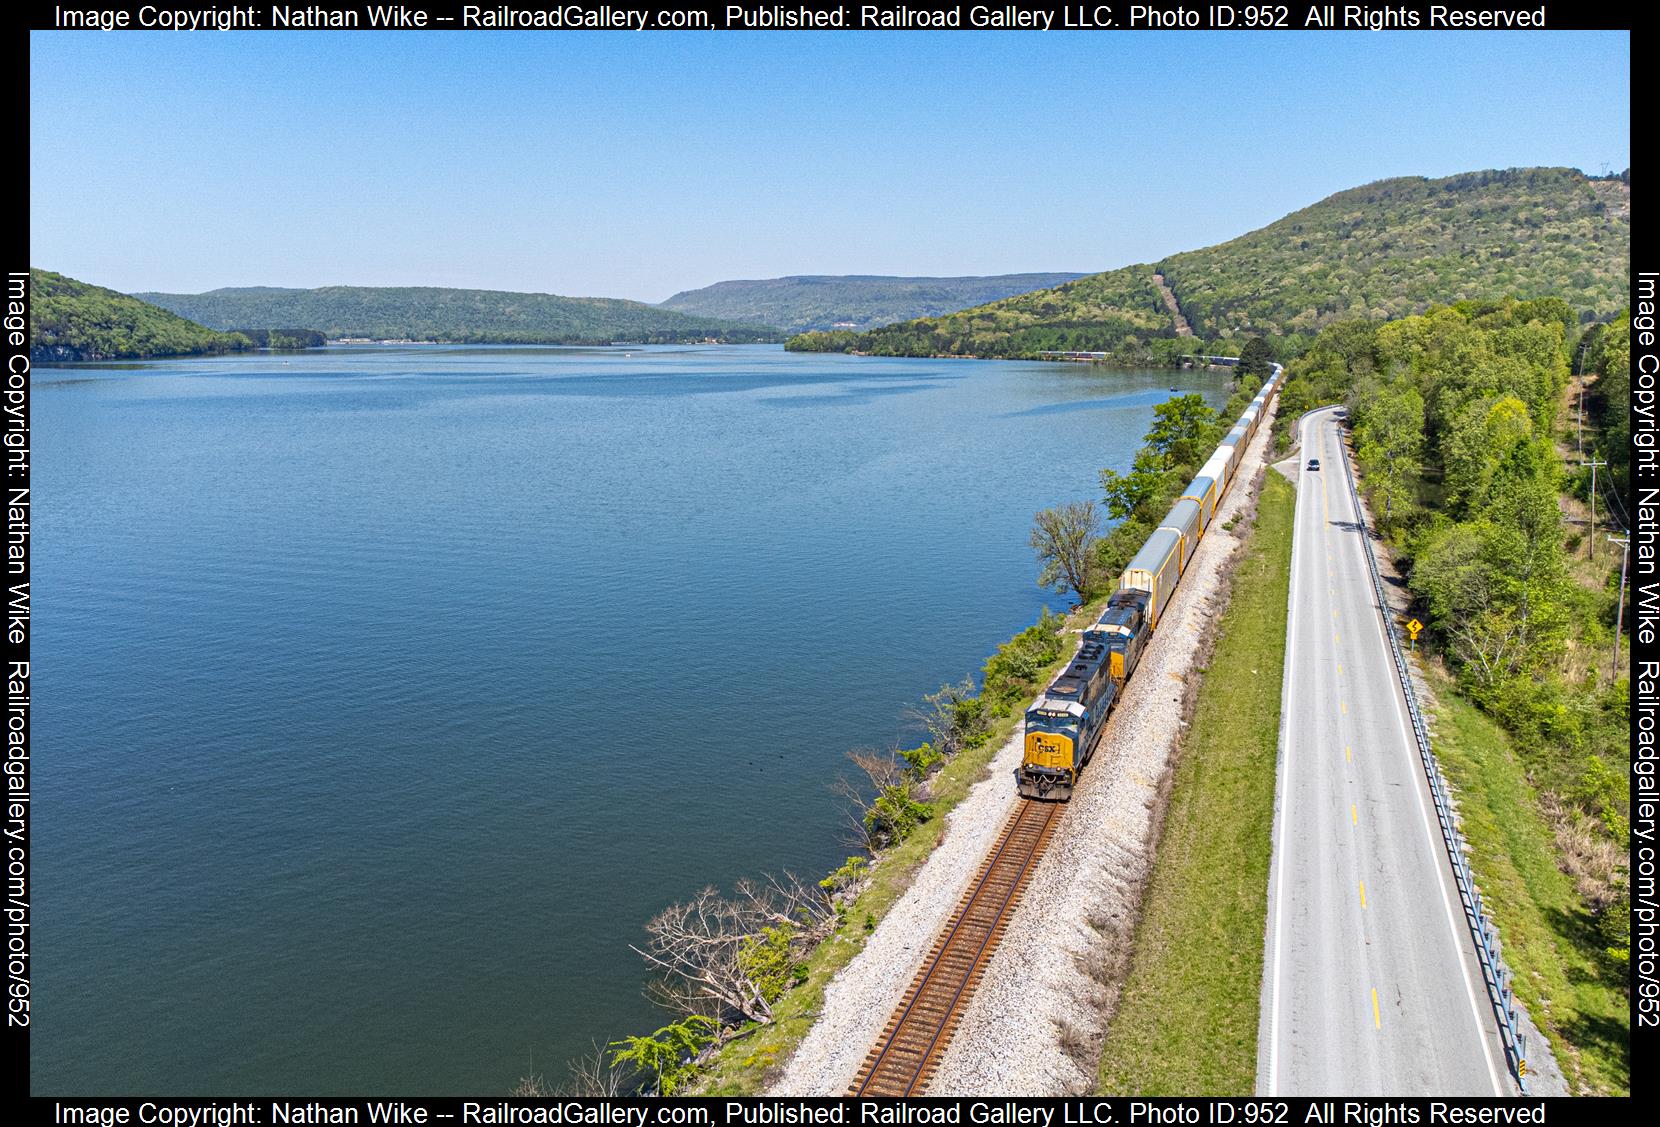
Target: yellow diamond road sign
{"x": 1413, "y": 626}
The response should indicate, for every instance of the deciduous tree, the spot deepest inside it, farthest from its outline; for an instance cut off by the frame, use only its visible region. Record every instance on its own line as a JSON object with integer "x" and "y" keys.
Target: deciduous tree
{"x": 1064, "y": 540}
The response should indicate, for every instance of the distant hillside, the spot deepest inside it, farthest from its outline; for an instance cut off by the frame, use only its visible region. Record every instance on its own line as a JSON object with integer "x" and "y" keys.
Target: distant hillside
{"x": 470, "y": 316}
{"x": 851, "y": 301}
{"x": 71, "y": 320}
{"x": 1382, "y": 250}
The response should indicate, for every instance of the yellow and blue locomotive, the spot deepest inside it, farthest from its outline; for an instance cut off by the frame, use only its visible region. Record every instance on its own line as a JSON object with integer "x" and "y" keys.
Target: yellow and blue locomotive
{"x": 1062, "y": 724}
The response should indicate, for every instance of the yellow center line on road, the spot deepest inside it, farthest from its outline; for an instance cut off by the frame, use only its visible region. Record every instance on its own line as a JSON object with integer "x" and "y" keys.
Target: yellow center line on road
{"x": 1377, "y": 1018}
{"x": 1344, "y": 706}
{"x": 1354, "y": 819}
{"x": 1363, "y": 894}
{"x": 1348, "y": 753}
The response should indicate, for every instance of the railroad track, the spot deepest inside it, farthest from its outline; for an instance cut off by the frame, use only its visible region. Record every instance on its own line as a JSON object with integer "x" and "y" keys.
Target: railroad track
{"x": 910, "y": 1048}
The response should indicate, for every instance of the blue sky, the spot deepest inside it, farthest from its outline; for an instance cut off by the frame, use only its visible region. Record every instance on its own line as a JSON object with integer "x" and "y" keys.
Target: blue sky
{"x": 638, "y": 164}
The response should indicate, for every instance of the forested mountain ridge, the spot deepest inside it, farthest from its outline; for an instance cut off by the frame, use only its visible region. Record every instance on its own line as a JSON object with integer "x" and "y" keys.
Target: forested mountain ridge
{"x": 1397, "y": 246}
{"x": 1101, "y": 312}
{"x": 74, "y": 320}
{"x": 1382, "y": 250}
{"x": 800, "y": 303}
{"x": 462, "y": 316}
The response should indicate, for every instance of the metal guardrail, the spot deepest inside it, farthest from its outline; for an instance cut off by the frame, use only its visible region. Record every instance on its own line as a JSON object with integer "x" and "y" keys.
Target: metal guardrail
{"x": 1495, "y": 974}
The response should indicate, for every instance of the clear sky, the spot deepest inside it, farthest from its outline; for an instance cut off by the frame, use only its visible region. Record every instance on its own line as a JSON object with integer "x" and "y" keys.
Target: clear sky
{"x": 625, "y": 164}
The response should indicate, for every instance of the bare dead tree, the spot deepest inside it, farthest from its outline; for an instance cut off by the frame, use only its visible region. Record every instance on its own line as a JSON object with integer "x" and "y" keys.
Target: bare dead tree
{"x": 531, "y": 1086}
{"x": 884, "y": 813}
{"x": 785, "y": 900}
{"x": 592, "y": 1074}
{"x": 696, "y": 947}
{"x": 678, "y": 996}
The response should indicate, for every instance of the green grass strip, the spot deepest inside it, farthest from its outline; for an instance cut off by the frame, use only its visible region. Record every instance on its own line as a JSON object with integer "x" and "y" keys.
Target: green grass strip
{"x": 1549, "y": 937}
{"x": 1186, "y": 1022}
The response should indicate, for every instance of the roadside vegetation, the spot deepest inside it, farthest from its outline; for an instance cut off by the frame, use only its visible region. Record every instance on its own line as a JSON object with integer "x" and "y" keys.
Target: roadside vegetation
{"x": 1186, "y": 1021}
{"x": 1455, "y": 417}
{"x": 1531, "y": 862}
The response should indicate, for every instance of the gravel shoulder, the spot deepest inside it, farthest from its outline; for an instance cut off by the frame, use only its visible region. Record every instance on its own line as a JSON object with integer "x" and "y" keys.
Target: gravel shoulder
{"x": 1039, "y": 1016}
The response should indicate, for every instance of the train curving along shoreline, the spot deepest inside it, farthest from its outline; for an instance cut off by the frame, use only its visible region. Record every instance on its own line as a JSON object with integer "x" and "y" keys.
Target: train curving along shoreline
{"x": 1063, "y": 724}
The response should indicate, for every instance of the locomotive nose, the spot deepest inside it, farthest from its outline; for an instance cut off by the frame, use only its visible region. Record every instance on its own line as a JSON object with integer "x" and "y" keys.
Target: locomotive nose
{"x": 1046, "y": 749}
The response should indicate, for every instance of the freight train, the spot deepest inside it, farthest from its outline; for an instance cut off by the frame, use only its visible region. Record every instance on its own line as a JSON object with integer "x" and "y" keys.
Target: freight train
{"x": 1062, "y": 725}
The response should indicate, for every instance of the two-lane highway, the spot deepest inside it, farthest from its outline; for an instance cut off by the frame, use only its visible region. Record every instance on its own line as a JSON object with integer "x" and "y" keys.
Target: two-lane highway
{"x": 1371, "y": 984}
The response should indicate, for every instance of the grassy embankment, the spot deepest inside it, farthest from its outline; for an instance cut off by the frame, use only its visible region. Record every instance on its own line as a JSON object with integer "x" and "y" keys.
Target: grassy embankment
{"x": 1549, "y": 937}
{"x": 1187, "y": 1019}
{"x": 1525, "y": 845}
{"x": 741, "y": 1067}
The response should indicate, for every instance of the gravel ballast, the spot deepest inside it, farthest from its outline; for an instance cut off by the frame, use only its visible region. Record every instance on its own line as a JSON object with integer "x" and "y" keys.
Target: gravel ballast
{"x": 1037, "y": 1020}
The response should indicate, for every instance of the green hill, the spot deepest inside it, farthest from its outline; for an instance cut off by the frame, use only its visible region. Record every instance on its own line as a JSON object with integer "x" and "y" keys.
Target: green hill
{"x": 851, "y": 301}
{"x": 1383, "y": 250}
{"x": 71, "y": 320}
{"x": 471, "y": 316}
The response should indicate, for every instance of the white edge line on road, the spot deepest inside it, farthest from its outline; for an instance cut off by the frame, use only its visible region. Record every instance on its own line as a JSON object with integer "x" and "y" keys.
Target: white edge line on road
{"x": 1282, "y": 838}
{"x": 1437, "y": 846}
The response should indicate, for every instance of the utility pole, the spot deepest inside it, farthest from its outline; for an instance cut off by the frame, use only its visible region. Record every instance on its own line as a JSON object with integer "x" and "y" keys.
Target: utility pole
{"x": 1593, "y": 463}
{"x": 1619, "y": 612}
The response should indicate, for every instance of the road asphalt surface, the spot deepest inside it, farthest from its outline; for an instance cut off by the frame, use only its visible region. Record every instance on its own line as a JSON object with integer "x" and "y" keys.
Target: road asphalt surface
{"x": 1371, "y": 985}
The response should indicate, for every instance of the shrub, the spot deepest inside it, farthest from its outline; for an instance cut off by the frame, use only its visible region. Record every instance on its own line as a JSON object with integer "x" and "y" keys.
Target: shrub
{"x": 768, "y": 960}
{"x": 1010, "y": 674}
{"x": 921, "y": 761}
{"x": 670, "y": 1054}
{"x": 853, "y": 871}
{"x": 895, "y": 814}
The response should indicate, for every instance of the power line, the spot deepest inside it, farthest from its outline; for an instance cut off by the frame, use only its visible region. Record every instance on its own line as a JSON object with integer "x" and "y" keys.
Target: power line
{"x": 1611, "y": 494}
{"x": 1593, "y": 463}
{"x": 1619, "y": 613}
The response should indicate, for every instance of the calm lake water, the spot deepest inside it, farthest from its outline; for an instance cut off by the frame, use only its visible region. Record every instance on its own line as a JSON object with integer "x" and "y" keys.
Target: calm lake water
{"x": 383, "y": 693}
